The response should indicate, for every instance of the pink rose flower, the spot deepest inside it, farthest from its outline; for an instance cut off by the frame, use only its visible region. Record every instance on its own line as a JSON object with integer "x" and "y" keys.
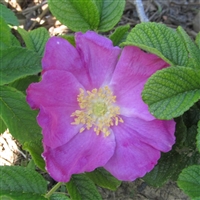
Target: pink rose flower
{"x": 91, "y": 110}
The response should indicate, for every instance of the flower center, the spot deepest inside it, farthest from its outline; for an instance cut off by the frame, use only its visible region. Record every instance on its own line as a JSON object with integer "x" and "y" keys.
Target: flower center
{"x": 97, "y": 110}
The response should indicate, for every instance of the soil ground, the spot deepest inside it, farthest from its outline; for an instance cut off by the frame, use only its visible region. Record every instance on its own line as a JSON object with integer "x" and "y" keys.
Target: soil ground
{"x": 35, "y": 13}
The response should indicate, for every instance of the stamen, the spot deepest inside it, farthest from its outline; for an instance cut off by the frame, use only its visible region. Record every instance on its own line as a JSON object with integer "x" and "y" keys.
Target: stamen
{"x": 97, "y": 110}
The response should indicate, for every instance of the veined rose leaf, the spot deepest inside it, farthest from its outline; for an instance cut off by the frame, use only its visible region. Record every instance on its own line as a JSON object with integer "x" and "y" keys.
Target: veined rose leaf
{"x": 104, "y": 179}
{"x": 17, "y": 62}
{"x": 18, "y": 180}
{"x": 193, "y": 50}
{"x": 160, "y": 40}
{"x": 16, "y": 114}
{"x": 197, "y": 40}
{"x": 8, "y": 15}
{"x": 81, "y": 187}
{"x": 35, "y": 40}
{"x": 172, "y": 91}
{"x": 120, "y": 34}
{"x": 77, "y": 15}
{"x": 101, "y": 15}
{"x": 189, "y": 181}
{"x": 167, "y": 165}
{"x": 110, "y": 14}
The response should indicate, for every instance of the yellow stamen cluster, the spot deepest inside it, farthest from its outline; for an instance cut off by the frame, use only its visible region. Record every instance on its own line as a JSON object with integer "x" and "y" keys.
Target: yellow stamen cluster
{"x": 97, "y": 110}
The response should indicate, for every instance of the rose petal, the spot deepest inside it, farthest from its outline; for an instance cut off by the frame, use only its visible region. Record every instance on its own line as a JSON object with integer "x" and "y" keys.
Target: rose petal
{"x": 99, "y": 56}
{"x": 56, "y": 97}
{"x": 132, "y": 158}
{"x": 157, "y": 133}
{"x": 85, "y": 152}
{"x": 61, "y": 55}
{"x": 57, "y": 88}
{"x": 130, "y": 75}
{"x": 56, "y": 125}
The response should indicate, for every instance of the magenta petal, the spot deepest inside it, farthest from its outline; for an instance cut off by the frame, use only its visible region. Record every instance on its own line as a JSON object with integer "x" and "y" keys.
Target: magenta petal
{"x": 61, "y": 55}
{"x": 99, "y": 56}
{"x": 131, "y": 73}
{"x": 57, "y": 88}
{"x": 56, "y": 97}
{"x": 85, "y": 152}
{"x": 132, "y": 158}
{"x": 56, "y": 125}
{"x": 157, "y": 133}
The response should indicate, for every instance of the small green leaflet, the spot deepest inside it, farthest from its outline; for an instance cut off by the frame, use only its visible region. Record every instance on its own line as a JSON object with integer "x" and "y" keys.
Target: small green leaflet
{"x": 2, "y": 126}
{"x": 104, "y": 179}
{"x": 17, "y": 62}
{"x": 189, "y": 181}
{"x": 59, "y": 196}
{"x": 160, "y": 40}
{"x": 17, "y": 115}
{"x": 198, "y": 137}
{"x": 172, "y": 91}
{"x": 5, "y": 36}
{"x": 35, "y": 40}
{"x": 119, "y": 35}
{"x": 8, "y": 16}
{"x": 197, "y": 40}
{"x": 18, "y": 181}
{"x": 23, "y": 83}
{"x": 80, "y": 187}
{"x": 101, "y": 15}
{"x": 35, "y": 149}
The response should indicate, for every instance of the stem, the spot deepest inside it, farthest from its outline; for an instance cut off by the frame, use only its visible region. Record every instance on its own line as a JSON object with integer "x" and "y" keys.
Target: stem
{"x": 53, "y": 189}
{"x": 140, "y": 9}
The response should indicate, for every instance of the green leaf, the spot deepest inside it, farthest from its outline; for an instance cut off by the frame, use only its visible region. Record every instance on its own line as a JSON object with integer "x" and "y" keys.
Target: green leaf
{"x": 168, "y": 165}
{"x": 23, "y": 83}
{"x": 77, "y": 15}
{"x": 70, "y": 39}
{"x": 17, "y": 115}
{"x": 20, "y": 196}
{"x": 80, "y": 187}
{"x": 189, "y": 181}
{"x": 198, "y": 137}
{"x": 110, "y": 14}
{"x": 101, "y": 15}
{"x": 193, "y": 50}
{"x": 172, "y": 91}
{"x": 59, "y": 196}
{"x": 160, "y": 40}
{"x": 2, "y": 126}
{"x": 5, "y": 36}
{"x": 17, "y": 180}
{"x": 35, "y": 148}
{"x": 35, "y": 40}
{"x": 181, "y": 132}
{"x": 8, "y": 15}
{"x": 17, "y": 62}
{"x": 119, "y": 35}
{"x": 197, "y": 40}
{"x": 104, "y": 179}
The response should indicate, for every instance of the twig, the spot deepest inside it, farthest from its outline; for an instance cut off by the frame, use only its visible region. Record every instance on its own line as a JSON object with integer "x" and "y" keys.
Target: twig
{"x": 33, "y": 8}
{"x": 140, "y": 9}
